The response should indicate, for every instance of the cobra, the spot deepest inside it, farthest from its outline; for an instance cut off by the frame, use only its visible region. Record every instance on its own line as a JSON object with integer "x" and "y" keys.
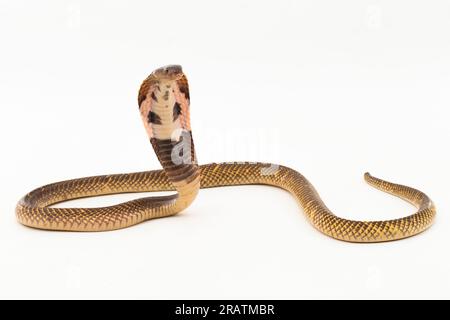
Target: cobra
{"x": 164, "y": 104}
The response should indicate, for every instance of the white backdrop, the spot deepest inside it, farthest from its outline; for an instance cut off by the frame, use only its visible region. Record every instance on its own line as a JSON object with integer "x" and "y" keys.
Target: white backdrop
{"x": 330, "y": 88}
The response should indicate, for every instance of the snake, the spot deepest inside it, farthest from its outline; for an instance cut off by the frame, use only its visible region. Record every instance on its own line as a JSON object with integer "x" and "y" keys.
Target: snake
{"x": 164, "y": 106}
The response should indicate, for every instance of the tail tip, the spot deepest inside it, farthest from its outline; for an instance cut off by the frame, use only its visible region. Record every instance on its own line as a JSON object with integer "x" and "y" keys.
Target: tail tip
{"x": 369, "y": 178}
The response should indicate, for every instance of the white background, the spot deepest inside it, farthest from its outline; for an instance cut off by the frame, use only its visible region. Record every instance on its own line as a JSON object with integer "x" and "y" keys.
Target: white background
{"x": 330, "y": 88}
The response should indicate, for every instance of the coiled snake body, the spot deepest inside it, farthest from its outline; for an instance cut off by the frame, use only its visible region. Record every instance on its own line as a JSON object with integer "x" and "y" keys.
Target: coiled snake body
{"x": 164, "y": 107}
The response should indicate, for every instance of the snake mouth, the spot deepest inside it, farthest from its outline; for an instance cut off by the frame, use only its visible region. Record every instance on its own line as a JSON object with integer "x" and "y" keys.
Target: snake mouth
{"x": 170, "y": 72}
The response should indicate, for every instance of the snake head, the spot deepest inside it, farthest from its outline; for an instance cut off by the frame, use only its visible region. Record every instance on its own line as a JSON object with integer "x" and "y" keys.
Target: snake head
{"x": 164, "y": 74}
{"x": 168, "y": 73}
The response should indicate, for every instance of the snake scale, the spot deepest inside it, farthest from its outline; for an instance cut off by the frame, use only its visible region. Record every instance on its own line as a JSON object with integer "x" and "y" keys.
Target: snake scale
{"x": 164, "y": 103}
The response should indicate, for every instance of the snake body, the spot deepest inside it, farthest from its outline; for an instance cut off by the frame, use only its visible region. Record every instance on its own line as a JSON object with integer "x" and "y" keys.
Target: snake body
{"x": 164, "y": 104}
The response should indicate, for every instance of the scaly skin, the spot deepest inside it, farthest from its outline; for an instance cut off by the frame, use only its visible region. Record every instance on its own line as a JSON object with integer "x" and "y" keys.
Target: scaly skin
{"x": 164, "y": 106}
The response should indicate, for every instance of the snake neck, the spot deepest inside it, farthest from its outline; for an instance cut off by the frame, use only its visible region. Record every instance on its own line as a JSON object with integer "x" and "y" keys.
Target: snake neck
{"x": 178, "y": 160}
{"x": 164, "y": 107}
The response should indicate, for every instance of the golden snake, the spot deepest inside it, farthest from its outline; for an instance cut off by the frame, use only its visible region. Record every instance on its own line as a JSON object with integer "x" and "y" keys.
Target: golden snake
{"x": 164, "y": 106}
